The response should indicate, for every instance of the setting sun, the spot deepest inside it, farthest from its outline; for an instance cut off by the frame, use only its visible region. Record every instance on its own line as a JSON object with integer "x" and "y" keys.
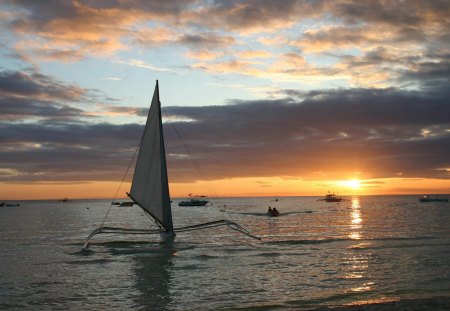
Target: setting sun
{"x": 353, "y": 183}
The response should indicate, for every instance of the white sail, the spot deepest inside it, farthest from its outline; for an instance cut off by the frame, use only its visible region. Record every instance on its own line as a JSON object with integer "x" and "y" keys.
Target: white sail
{"x": 150, "y": 188}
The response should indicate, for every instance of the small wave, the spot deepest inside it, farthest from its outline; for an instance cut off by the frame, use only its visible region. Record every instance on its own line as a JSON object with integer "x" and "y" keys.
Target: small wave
{"x": 260, "y": 214}
{"x": 144, "y": 250}
{"x": 403, "y": 238}
{"x": 299, "y": 242}
{"x": 124, "y": 243}
{"x": 190, "y": 268}
{"x": 83, "y": 252}
{"x": 88, "y": 262}
{"x": 365, "y": 247}
{"x": 269, "y": 254}
{"x": 206, "y": 256}
{"x": 332, "y": 240}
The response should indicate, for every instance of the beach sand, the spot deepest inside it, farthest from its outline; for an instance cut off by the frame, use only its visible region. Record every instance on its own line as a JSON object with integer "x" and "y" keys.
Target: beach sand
{"x": 432, "y": 304}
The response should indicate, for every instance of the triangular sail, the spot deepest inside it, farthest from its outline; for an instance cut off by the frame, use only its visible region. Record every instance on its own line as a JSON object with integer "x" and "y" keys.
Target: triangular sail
{"x": 150, "y": 187}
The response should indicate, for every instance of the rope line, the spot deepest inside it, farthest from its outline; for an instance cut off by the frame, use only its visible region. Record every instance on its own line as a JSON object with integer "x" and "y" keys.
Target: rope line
{"x": 197, "y": 166}
{"x": 120, "y": 185}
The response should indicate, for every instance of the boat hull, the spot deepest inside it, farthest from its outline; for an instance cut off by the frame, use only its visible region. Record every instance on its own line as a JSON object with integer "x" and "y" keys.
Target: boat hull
{"x": 433, "y": 200}
{"x": 333, "y": 200}
{"x": 193, "y": 203}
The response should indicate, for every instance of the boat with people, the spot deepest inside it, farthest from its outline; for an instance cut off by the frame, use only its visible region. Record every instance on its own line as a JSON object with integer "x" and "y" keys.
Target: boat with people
{"x": 150, "y": 187}
{"x": 430, "y": 198}
{"x": 331, "y": 197}
{"x": 273, "y": 212}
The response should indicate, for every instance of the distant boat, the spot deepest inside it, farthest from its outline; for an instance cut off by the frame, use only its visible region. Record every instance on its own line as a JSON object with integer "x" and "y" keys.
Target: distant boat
{"x": 429, "y": 198}
{"x": 331, "y": 197}
{"x": 123, "y": 203}
{"x": 65, "y": 200}
{"x": 194, "y": 201}
{"x": 273, "y": 212}
{"x": 8, "y": 204}
{"x": 126, "y": 204}
{"x": 150, "y": 185}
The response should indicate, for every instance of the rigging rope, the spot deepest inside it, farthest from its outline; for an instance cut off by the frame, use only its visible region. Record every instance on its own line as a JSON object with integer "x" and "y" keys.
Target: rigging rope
{"x": 196, "y": 165}
{"x": 120, "y": 185}
{"x": 194, "y": 162}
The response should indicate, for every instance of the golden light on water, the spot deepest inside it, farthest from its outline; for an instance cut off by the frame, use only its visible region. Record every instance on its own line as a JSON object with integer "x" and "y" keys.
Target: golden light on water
{"x": 359, "y": 263}
{"x": 363, "y": 288}
{"x": 355, "y": 220}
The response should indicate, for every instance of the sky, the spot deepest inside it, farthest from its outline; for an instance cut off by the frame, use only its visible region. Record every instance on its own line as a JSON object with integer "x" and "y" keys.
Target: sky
{"x": 259, "y": 98}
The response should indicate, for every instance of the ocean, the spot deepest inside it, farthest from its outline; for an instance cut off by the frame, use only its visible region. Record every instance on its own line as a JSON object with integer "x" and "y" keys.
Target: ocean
{"x": 367, "y": 253}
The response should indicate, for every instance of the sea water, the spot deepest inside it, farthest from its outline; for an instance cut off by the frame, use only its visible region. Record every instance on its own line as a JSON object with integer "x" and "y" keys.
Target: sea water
{"x": 365, "y": 250}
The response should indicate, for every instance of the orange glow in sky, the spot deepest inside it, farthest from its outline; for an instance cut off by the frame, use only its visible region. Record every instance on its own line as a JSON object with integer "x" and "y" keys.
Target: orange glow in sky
{"x": 234, "y": 187}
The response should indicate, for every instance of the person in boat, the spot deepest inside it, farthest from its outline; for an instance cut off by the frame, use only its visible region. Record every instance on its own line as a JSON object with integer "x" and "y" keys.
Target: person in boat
{"x": 269, "y": 211}
{"x": 275, "y": 212}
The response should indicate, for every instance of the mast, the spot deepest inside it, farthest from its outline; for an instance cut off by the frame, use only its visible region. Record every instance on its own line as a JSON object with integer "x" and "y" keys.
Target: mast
{"x": 164, "y": 176}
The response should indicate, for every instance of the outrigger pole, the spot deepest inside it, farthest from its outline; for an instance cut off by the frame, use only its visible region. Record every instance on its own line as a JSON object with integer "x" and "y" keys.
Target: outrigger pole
{"x": 112, "y": 230}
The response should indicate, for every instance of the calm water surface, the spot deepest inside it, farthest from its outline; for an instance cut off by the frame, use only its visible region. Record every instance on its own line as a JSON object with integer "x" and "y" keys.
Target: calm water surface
{"x": 367, "y": 249}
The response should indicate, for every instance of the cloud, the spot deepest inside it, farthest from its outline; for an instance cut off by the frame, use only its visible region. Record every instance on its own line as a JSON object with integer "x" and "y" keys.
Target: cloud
{"x": 248, "y": 17}
{"x": 205, "y": 40}
{"x": 298, "y": 137}
{"x": 73, "y": 29}
{"x": 428, "y": 74}
{"x": 66, "y": 152}
{"x": 229, "y": 66}
{"x": 37, "y": 85}
{"x": 249, "y": 54}
{"x": 377, "y": 132}
{"x": 381, "y": 66}
{"x": 394, "y": 13}
{"x": 340, "y": 37}
{"x": 30, "y": 96}
{"x": 142, "y": 64}
{"x": 33, "y": 95}
{"x": 245, "y": 37}
{"x": 204, "y": 55}
{"x": 153, "y": 37}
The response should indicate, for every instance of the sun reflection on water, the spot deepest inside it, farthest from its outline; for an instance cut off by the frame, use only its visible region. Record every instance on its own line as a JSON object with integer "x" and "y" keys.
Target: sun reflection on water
{"x": 356, "y": 220}
{"x": 363, "y": 288}
{"x": 358, "y": 263}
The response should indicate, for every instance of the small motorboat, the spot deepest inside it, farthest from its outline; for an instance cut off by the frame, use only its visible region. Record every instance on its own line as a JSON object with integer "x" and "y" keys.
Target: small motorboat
{"x": 331, "y": 197}
{"x": 126, "y": 204}
{"x": 273, "y": 212}
{"x": 193, "y": 202}
{"x": 429, "y": 198}
{"x": 9, "y": 204}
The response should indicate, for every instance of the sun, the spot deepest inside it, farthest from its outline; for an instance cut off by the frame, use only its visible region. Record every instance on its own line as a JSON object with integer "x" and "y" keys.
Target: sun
{"x": 353, "y": 183}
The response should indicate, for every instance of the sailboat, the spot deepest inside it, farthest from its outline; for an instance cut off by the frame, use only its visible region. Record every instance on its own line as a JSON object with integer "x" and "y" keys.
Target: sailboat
{"x": 150, "y": 185}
